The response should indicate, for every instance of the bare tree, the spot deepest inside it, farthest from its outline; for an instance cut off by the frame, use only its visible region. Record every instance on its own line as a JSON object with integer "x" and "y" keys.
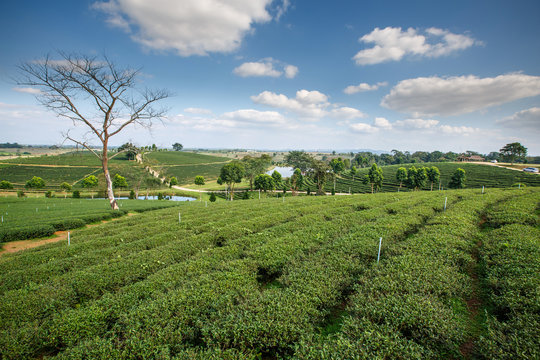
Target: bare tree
{"x": 94, "y": 92}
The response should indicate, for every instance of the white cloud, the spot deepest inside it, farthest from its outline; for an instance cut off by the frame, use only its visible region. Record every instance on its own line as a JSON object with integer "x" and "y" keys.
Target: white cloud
{"x": 458, "y": 130}
{"x": 363, "y": 128}
{"x": 201, "y": 111}
{"x": 189, "y": 27}
{"x": 257, "y": 69}
{"x": 266, "y": 67}
{"x": 416, "y": 124}
{"x": 28, "y": 90}
{"x": 310, "y": 105}
{"x": 256, "y": 117}
{"x": 524, "y": 120}
{"x": 290, "y": 71}
{"x": 347, "y": 113}
{"x": 382, "y": 123}
{"x": 353, "y": 89}
{"x": 431, "y": 96}
{"x": 392, "y": 44}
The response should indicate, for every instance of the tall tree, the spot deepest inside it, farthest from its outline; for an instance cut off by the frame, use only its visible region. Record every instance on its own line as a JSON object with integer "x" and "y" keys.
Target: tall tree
{"x": 512, "y": 151}
{"x": 264, "y": 182}
{"x": 375, "y": 176}
{"x": 433, "y": 175}
{"x": 401, "y": 176}
{"x": 297, "y": 180}
{"x": 177, "y": 146}
{"x": 299, "y": 160}
{"x": 231, "y": 174}
{"x": 130, "y": 150}
{"x": 96, "y": 93}
{"x": 416, "y": 177}
{"x": 319, "y": 172}
{"x": 458, "y": 179}
{"x": 254, "y": 166}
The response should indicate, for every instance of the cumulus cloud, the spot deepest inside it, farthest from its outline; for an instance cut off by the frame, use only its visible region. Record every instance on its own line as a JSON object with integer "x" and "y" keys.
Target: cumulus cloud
{"x": 256, "y": 117}
{"x": 392, "y": 44}
{"x": 382, "y": 123}
{"x": 431, "y": 96}
{"x": 526, "y": 119}
{"x": 416, "y": 124}
{"x": 266, "y": 67}
{"x": 310, "y": 105}
{"x": 290, "y": 71}
{"x": 458, "y": 130}
{"x": 27, "y": 90}
{"x": 189, "y": 27}
{"x": 353, "y": 89}
{"x": 363, "y": 128}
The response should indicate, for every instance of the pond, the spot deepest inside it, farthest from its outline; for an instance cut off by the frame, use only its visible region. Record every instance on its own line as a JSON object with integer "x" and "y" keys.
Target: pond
{"x": 142, "y": 197}
{"x": 284, "y": 171}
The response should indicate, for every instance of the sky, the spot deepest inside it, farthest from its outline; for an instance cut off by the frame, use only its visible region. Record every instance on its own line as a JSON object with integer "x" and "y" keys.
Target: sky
{"x": 294, "y": 74}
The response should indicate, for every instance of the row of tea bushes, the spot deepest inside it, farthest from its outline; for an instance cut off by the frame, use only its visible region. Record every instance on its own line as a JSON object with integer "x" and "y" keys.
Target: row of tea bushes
{"x": 510, "y": 257}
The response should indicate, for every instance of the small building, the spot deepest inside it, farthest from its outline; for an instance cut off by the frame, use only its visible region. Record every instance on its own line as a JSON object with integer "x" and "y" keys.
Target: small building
{"x": 464, "y": 157}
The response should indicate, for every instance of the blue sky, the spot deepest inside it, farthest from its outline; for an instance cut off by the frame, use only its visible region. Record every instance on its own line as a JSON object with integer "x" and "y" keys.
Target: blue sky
{"x": 414, "y": 75}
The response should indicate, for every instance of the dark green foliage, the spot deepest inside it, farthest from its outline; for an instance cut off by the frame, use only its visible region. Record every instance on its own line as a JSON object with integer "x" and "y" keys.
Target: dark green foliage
{"x": 178, "y": 147}
{"x": 416, "y": 178}
{"x": 458, "y": 179}
{"x": 35, "y": 183}
{"x": 264, "y": 182}
{"x": 4, "y": 184}
{"x": 49, "y": 194}
{"x": 132, "y": 195}
{"x": 20, "y": 193}
{"x": 173, "y": 181}
{"x": 212, "y": 197}
{"x": 513, "y": 151}
{"x": 76, "y": 194}
{"x": 199, "y": 180}
{"x": 65, "y": 187}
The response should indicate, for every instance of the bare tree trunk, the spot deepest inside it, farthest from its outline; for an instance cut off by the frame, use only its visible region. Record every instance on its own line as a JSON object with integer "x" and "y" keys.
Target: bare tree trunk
{"x": 110, "y": 193}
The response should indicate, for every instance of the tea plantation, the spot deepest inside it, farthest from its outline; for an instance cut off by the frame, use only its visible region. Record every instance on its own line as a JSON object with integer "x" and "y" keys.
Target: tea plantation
{"x": 293, "y": 279}
{"x": 25, "y": 218}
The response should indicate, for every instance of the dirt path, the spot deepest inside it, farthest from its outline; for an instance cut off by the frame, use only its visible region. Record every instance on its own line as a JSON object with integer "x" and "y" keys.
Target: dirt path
{"x": 20, "y": 245}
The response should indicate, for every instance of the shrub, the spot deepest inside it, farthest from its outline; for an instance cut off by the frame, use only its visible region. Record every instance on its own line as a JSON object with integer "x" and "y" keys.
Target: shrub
{"x": 132, "y": 194}
{"x": 36, "y": 182}
{"x": 4, "y": 184}
{"x": 212, "y": 197}
{"x": 20, "y": 193}
{"x": 76, "y": 194}
{"x": 49, "y": 194}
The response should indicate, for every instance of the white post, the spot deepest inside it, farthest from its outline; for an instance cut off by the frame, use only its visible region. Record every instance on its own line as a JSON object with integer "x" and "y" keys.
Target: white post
{"x": 519, "y": 185}
{"x": 179, "y": 218}
{"x": 445, "y": 203}
{"x": 283, "y": 197}
{"x": 2, "y": 219}
{"x": 36, "y": 209}
{"x": 259, "y": 194}
{"x": 69, "y": 239}
{"x": 379, "y": 255}
{"x": 482, "y": 189}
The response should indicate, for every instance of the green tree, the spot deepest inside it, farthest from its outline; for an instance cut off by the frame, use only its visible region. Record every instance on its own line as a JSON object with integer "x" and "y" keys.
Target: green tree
{"x": 212, "y": 197}
{"x": 375, "y": 175}
{"x": 90, "y": 181}
{"x": 297, "y": 180}
{"x": 65, "y": 187}
{"x": 4, "y": 184}
{"x": 199, "y": 180}
{"x": 178, "y": 147}
{"x": 401, "y": 176}
{"x": 319, "y": 172}
{"x": 513, "y": 151}
{"x": 416, "y": 178}
{"x": 231, "y": 174}
{"x": 35, "y": 183}
{"x": 254, "y": 166}
{"x": 130, "y": 150}
{"x": 457, "y": 181}
{"x": 353, "y": 172}
{"x": 299, "y": 159}
{"x": 264, "y": 182}
{"x": 337, "y": 165}
{"x": 173, "y": 181}
{"x": 277, "y": 179}
{"x": 433, "y": 175}
{"x": 119, "y": 181}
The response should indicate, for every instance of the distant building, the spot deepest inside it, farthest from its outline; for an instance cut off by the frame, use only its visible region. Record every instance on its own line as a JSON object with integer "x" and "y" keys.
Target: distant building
{"x": 464, "y": 157}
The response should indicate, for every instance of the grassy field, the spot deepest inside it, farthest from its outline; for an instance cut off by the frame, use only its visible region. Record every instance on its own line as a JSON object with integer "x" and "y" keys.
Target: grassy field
{"x": 185, "y": 165}
{"x": 270, "y": 279}
{"x": 25, "y": 218}
{"x": 477, "y": 176}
